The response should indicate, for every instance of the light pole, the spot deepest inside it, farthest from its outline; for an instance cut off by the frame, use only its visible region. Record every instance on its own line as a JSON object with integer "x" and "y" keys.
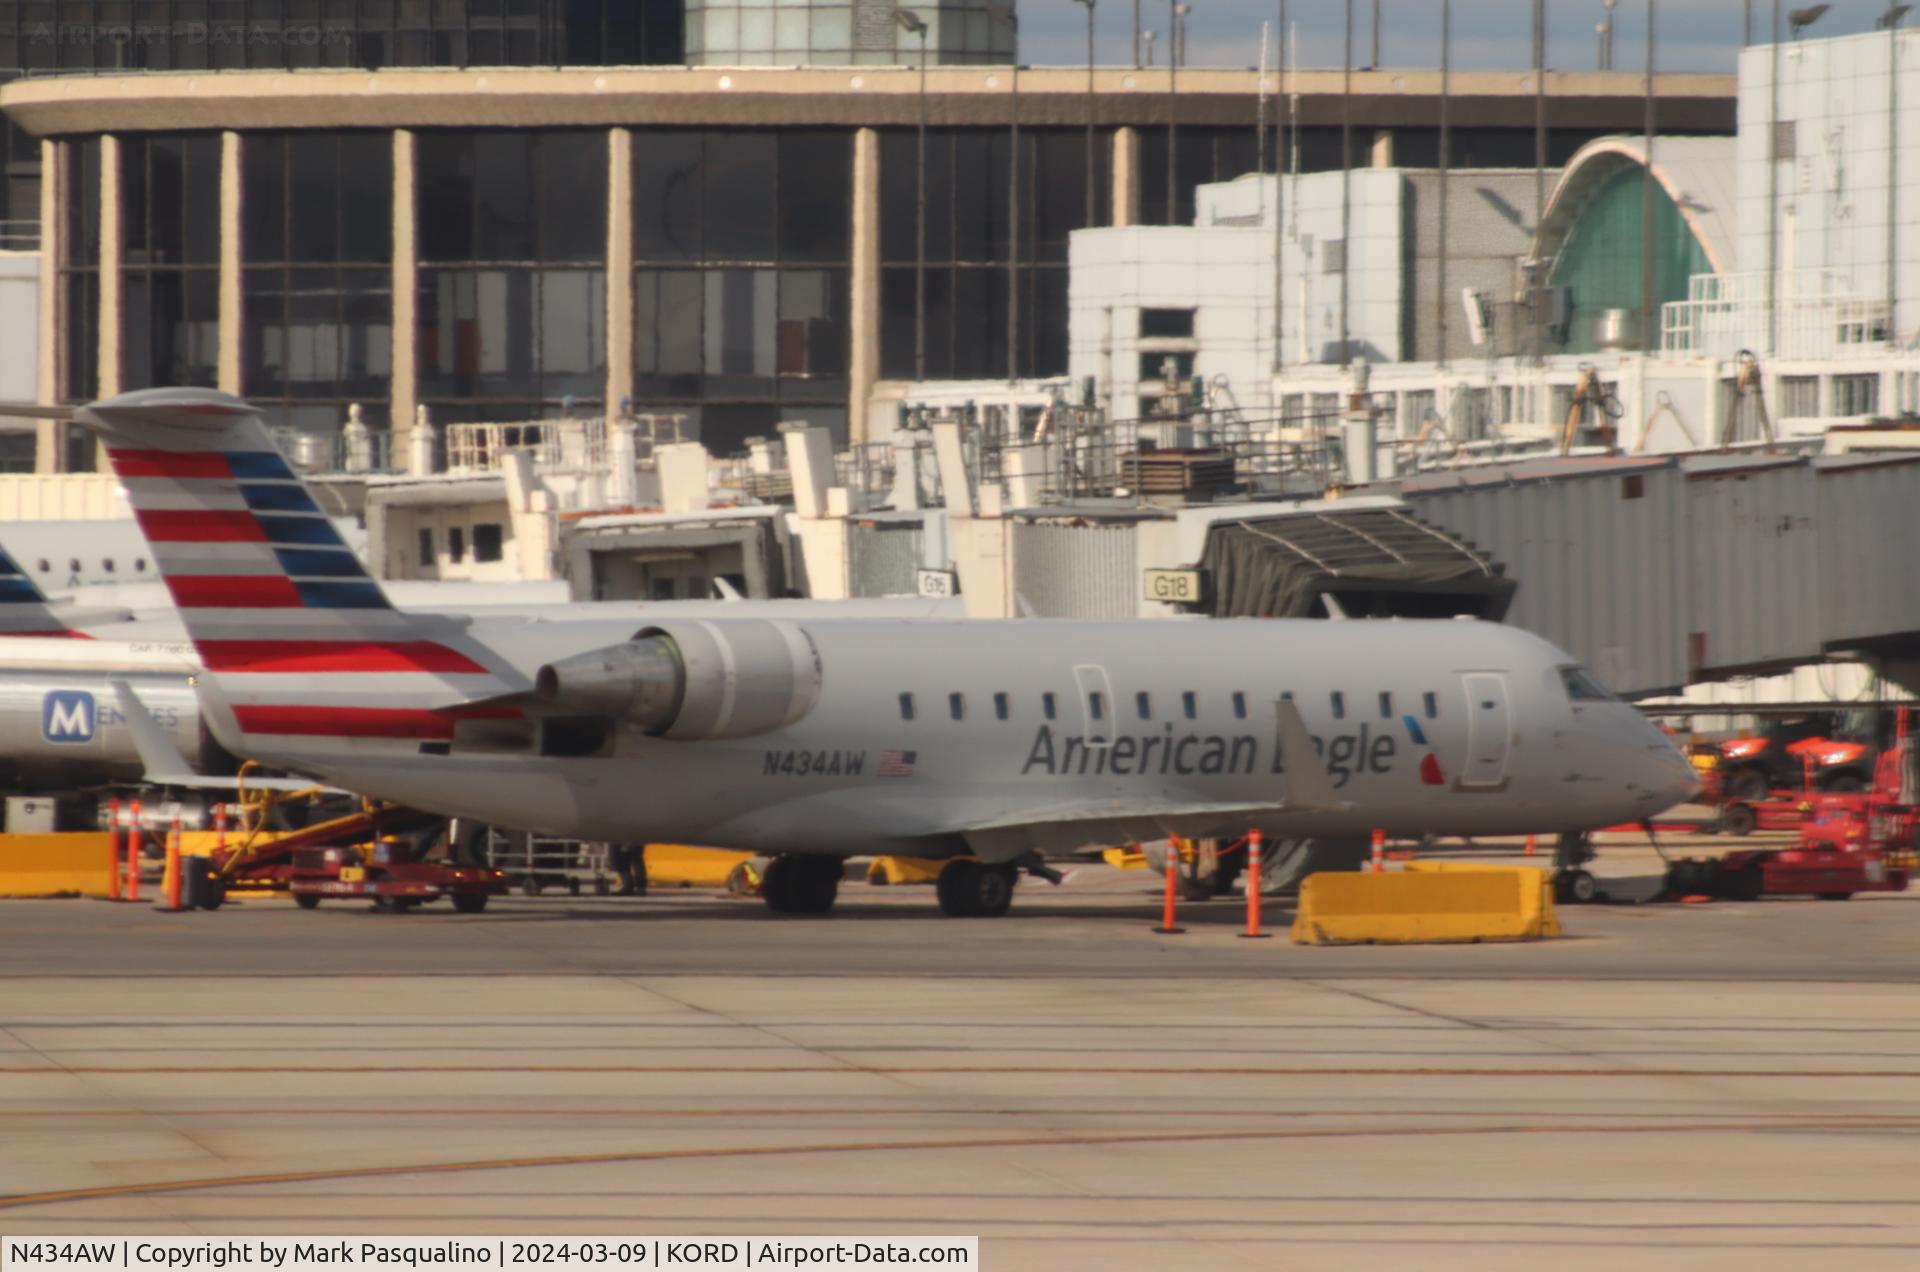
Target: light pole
{"x": 1005, "y": 13}
{"x": 1091, "y": 204}
{"x": 1138, "y": 35}
{"x": 913, "y": 23}
{"x": 1646, "y": 204}
{"x": 1891, "y": 21}
{"x": 1175, "y": 12}
{"x": 1148, "y": 37}
{"x": 1605, "y": 31}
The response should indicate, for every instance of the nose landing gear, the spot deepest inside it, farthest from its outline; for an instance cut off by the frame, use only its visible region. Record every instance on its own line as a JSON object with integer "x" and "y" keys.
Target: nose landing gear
{"x": 1572, "y": 884}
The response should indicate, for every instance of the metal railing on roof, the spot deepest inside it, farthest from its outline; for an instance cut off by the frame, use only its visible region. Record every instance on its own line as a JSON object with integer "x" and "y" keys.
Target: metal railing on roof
{"x": 1810, "y": 313}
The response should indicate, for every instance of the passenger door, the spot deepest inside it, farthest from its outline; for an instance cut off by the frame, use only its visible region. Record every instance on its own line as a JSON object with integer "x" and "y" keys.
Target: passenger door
{"x": 1488, "y": 730}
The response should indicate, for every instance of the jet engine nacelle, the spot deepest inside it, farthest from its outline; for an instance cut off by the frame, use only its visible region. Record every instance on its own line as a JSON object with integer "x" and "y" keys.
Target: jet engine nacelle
{"x": 693, "y": 679}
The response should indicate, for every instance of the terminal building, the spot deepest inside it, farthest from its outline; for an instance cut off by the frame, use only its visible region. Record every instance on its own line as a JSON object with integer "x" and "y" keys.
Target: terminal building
{"x": 740, "y": 215}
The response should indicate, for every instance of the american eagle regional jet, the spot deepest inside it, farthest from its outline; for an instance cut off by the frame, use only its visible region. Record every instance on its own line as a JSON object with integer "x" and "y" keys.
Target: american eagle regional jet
{"x": 993, "y": 743}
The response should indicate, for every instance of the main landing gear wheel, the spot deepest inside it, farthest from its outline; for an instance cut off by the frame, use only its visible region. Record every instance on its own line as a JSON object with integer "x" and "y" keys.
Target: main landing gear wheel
{"x": 801, "y": 885}
{"x": 469, "y": 902}
{"x": 974, "y": 890}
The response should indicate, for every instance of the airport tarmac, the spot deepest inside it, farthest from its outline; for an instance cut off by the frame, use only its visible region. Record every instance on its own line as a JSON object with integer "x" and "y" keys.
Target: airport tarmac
{"x": 1732, "y": 1084}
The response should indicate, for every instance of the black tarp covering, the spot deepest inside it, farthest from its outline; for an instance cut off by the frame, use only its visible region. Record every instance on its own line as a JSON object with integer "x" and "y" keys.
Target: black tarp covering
{"x": 1377, "y": 563}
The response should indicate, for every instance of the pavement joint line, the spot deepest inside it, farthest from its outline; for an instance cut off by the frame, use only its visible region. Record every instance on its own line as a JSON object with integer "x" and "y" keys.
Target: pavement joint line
{"x": 155, "y": 1187}
{"x": 334, "y": 1113}
{"x": 1360, "y": 1071}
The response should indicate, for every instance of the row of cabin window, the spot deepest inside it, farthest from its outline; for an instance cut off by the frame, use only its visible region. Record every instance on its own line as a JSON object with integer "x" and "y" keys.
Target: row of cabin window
{"x": 106, "y": 565}
{"x": 1143, "y": 705}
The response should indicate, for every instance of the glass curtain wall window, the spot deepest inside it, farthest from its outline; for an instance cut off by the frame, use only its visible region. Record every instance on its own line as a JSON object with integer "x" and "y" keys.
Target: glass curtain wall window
{"x": 170, "y": 209}
{"x": 512, "y": 300}
{"x": 318, "y": 242}
{"x": 79, "y": 266}
{"x": 1203, "y": 156}
{"x": 161, "y": 35}
{"x": 741, "y": 244}
{"x": 968, "y": 247}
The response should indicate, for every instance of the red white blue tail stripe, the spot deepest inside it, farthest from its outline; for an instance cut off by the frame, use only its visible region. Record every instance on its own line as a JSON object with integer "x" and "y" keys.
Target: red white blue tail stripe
{"x": 282, "y": 613}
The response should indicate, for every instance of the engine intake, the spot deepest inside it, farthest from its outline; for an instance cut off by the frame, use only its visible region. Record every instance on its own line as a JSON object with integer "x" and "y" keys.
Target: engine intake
{"x": 693, "y": 680}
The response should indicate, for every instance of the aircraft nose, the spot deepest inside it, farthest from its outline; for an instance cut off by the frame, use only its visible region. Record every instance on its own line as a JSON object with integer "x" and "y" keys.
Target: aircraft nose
{"x": 1669, "y": 774}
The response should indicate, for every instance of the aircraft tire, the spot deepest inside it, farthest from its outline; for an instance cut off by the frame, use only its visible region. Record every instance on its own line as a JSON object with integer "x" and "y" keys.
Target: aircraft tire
{"x": 801, "y": 885}
{"x": 469, "y": 902}
{"x": 973, "y": 890}
{"x": 307, "y": 900}
{"x": 1286, "y": 862}
{"x": 953, "y": 888}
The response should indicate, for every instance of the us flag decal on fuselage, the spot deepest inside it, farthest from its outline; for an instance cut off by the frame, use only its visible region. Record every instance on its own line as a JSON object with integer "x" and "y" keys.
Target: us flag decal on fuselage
{"x": 896, "y": 764}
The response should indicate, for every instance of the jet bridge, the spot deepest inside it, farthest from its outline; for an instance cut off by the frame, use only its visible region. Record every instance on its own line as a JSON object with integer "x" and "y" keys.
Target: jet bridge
{"x": 1363, "y": 563}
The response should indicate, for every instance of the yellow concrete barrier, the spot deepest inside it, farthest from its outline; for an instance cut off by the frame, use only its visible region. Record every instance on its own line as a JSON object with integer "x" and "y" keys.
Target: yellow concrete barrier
{"x": 1430, "y": 903}
{"x": 1539, "y": 902}
{"x": 56, "y": 865}
{"x": 892, "y": 871}
{"x": 684, "y": 866}
{"x": 1124, "y": 858}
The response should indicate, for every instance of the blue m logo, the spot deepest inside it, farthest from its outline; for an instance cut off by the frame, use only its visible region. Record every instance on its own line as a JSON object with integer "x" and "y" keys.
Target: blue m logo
{"x": 67, "y": 715}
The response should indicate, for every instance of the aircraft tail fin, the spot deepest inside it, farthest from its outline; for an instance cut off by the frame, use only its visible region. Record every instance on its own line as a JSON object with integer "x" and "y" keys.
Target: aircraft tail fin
{"x": 286, "y": 620}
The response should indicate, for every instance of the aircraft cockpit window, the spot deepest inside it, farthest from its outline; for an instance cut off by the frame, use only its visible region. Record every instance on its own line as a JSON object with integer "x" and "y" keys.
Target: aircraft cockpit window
{"x": 106, "y": 564}
{"x": 139, "y": 565}
{"x": 1047, "y": 705}
{"x": 906, "y": 706}
{"x": 1339, "y": 705}
{"x": 1001, "y": 710}
{"x": 1190, "y": 705}
{"x": 1143, "y": 703}
{"x": 1386, "y": 706}
{"x": 1582, "y": 687}
{"x": 45, "y": 565}
{"x": 1239, "y": 705}
{"x": 1432, "y": 704}
{"x": 957, "y": 706}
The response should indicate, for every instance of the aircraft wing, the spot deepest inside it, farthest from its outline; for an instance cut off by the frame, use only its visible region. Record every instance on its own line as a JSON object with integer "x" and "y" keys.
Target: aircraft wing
{"x": 164, "y": 764}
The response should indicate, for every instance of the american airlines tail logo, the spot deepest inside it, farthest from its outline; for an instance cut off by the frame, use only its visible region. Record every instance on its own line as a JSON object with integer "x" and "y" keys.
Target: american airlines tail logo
{"x": 67, "y": 715}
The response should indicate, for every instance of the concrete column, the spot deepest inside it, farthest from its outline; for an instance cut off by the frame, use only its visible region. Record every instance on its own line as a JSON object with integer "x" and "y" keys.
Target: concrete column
{"x": 404, "y": 390}
{"x": 619, "y": 268}
{"x": 53, "y": 228}
{"x": 1382, "y": 153}
{"x": 112, "y": 219}
{"x": 864, "y": 352}
{"x": 1126, "y": 176}
{"x": 232, "y": 307}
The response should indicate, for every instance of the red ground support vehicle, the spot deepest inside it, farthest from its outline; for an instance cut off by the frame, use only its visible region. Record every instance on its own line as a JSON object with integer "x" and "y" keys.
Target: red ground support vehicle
{"x": 389, "y": 879}
{"x": 380, "y": 853}
{"x": 1849, "y": 842}
{"x": 1828, "y": 750}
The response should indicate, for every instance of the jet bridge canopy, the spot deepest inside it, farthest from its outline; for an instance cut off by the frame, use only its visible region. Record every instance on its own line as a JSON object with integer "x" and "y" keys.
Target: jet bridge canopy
{"x": 1375, "y": 563}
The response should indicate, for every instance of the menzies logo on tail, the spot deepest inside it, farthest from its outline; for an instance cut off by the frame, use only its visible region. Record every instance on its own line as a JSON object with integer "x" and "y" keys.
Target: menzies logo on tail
{"x": 67, "y": 715}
